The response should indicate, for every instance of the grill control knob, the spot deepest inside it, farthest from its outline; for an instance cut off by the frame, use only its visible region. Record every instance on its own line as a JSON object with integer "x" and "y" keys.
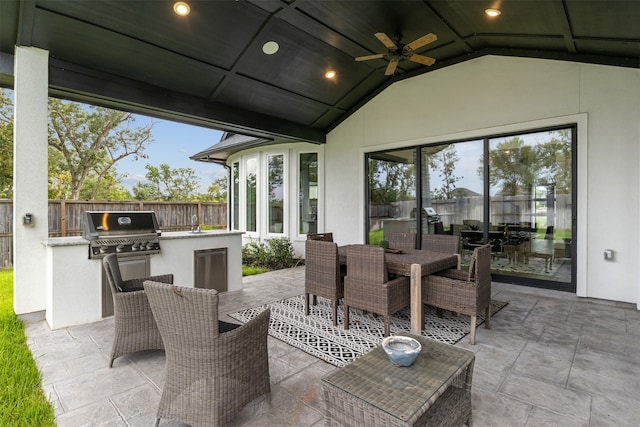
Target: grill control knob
{"x": 119, "y": 248}
{"x": 149, "y": 245}
{"x": 135, "y": 247}
{"x": 104, "y": 249}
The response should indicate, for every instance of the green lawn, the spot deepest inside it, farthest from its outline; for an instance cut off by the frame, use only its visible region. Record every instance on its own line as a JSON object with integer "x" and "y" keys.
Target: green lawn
{"x": 22, "y": 401}
{"x": 251, "y": 271}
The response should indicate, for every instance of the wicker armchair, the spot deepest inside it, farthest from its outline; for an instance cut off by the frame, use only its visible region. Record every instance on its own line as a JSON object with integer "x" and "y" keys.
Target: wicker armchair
{"x": 135, "y": 329}
{"x": 367, "y": 286}
{"x": 399, "y": 240}
{"x": 446, "y": 243}
{"x": 209, "y": 376}
{"x": 325, "y": 237}
{"x": 322, "y": 275}
{"x": 464, "y": 292}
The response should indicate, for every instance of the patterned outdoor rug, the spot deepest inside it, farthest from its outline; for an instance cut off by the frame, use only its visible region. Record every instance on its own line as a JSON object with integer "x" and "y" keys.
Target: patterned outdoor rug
{"x": 316, "y": 335}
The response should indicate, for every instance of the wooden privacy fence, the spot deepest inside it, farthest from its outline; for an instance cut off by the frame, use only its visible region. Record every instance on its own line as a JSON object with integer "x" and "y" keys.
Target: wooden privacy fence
{"x": 66, "y": 216}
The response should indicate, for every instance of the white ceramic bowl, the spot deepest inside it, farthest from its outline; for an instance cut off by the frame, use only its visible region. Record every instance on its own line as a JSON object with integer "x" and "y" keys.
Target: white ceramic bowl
{"x": 401, "y": 350}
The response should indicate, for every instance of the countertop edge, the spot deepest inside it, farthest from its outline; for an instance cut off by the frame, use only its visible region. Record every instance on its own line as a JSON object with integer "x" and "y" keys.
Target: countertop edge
{"x": 169, "y": 235}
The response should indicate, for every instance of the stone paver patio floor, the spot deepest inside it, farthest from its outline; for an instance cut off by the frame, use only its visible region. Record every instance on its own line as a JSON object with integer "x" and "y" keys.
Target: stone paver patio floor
{"x": 550, "y": 359}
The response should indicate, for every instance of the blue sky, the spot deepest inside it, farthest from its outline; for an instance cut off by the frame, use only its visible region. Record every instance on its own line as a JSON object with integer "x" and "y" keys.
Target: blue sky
{"x": 173, "y": 144}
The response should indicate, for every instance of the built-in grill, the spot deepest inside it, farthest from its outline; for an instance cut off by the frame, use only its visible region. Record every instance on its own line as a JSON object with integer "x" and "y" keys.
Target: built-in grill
{"x": 127, "y": 233}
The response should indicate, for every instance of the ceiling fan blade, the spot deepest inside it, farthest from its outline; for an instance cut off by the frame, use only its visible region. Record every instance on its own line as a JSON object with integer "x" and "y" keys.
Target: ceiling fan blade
{"x": 386, "y": 40}
{"x": 368, "y": 57}
{"x": 391, "y": 68}
{"x": 418, "y": 43}
{"x": 420, "y": 59}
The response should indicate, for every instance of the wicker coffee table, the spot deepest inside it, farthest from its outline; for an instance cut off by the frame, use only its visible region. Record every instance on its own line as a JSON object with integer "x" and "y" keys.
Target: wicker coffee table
{"x": 371, "y": 391}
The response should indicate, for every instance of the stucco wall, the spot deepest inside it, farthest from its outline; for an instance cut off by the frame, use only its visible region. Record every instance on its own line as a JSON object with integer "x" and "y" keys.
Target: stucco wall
{"x": 500, "y": 94}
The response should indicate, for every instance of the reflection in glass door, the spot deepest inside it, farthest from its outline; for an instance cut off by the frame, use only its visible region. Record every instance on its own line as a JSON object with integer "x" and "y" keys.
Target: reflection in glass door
{"x": 530, "y": 179}
{"x": 514, "y": 192}
{"x": 453, "y": 186}
{"x": 391, "y": 189}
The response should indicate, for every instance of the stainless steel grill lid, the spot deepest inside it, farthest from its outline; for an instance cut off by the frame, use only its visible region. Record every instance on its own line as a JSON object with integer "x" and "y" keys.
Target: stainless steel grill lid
{"x": 123, "y": 232}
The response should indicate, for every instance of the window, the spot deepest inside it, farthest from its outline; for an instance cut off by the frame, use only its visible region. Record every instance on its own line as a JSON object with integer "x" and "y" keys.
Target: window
{"x": 275, "y": 180}
{"x": 235, "y": 182}
{"x": 308, "y": 184}
{"x": 251, "y": 194}
{"x": 268, "y": 186}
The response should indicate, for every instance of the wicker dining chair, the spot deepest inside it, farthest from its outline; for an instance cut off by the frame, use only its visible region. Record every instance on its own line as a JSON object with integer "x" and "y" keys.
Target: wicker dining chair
{"x": 464, "y": 292}
{"x": 367, "y": 285}
{"x": 323, "y": 276}
{"x": 325, "y": 237}
{"x": 135, "y": 329}
{"x": 399, "y": 240}
{"x": 209, "y": 376}
{"x": 446, "y": 243}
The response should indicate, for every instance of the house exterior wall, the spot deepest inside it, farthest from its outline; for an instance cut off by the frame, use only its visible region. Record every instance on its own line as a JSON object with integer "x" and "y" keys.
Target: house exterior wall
{"x": 492, "y": 95}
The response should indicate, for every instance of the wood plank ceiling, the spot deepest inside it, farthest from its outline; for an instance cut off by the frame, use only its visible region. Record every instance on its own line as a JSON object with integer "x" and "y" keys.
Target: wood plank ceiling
{"x": 209, "y": 68}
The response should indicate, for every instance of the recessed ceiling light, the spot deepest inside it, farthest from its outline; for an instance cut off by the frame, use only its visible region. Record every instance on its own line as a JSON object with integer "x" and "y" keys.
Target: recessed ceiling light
{"x": 330, "y": 74}
{"x": 181, "y": 8}
{"x": 492, "y": 12}
{"x": 269, "y": 48}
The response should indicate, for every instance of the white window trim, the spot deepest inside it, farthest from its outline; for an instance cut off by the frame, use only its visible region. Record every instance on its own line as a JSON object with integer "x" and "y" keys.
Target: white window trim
{"x": 321, "y": 195}
{"x": 243, "y": 191}
{"x": 285, "y": 192}
{"x": 231, "y": 204}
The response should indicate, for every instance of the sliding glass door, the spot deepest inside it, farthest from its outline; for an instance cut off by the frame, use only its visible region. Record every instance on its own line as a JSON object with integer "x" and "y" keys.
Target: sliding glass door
{"x": 391, "y": 194}
{"x": 512, "y": 191}
{"x": 531, "y": 205}
{"x": 453, "y": 189}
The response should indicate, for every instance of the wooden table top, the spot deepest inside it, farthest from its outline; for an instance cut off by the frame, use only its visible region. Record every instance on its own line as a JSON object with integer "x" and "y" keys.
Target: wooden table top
{"x": 400, "y": 263}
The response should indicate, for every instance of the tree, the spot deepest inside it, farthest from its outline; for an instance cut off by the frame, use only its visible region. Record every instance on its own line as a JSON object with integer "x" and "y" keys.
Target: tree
{"x": 168, "y": 184}
{"x": 109, "y": 188}
{"x": 59, "y": 176}
{"x": 91, "y": 140}
{"x": 391, "y": 181}
{"x": 217, "y": 191}
{"x": 514, "y": 167}
{"x": 6, "y": 145}
{"x": 445, "y": 161}
{"x": 556, "y": 161}
{"x": 145, "y": 191}
{"x": 517, "y": 167}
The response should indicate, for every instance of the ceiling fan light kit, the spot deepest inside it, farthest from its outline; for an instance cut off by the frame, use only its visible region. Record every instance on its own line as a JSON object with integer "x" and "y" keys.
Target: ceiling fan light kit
{"x": 397, "y": 52}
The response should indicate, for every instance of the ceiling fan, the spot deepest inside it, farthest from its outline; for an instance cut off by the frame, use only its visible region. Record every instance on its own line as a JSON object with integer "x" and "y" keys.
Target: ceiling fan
{"x": 397, "y": 51}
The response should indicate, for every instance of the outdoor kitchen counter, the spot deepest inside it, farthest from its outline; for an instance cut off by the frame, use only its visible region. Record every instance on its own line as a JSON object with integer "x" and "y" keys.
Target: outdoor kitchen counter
{"x": 74, "y": 282}
{"x": 197, "y": 234}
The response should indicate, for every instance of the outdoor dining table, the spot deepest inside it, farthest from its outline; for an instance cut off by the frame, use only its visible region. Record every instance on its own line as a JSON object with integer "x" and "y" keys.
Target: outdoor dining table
{"x": 414, "y": 264}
